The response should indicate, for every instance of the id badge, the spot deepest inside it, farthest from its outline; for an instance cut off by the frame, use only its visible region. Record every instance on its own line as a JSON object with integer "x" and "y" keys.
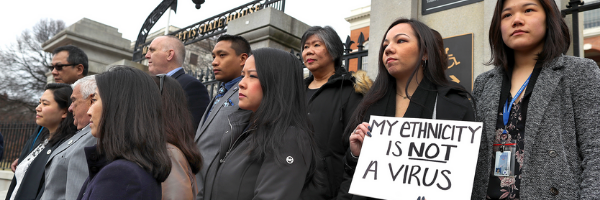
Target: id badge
{"x": 505, "y": 158}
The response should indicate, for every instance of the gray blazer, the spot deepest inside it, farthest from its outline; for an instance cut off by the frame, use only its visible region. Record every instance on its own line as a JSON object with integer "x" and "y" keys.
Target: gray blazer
{"x": 562, "y": 145}
{"x": 67, "y": 168}
{"x": 210, "y": 131}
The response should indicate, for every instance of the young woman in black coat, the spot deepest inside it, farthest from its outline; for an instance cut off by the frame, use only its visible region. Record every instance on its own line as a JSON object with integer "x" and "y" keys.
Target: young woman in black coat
{"x": 411, "y": 83}
{"x": 130, "y": 159}
{"x": 268, "y": 152}
{"x": 55, "y": 125}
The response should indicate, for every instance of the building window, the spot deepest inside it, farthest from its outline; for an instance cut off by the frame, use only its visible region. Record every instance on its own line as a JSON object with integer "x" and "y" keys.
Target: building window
{"x": 193, "y": 59}
{"x": 365, "y": 62}
{"x": 591, "y": 18}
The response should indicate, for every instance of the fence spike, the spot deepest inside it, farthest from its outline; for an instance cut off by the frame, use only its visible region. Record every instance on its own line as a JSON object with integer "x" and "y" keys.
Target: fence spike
{"x": 347, "y": 45}
{"x": 361, "y": 41}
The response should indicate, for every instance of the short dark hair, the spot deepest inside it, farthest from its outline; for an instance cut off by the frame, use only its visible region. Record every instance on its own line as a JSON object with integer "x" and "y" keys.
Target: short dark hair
{"x": 332, "y": 41}
{"x": 179, "y": 129}
{"x": 556, "y": 41}
{"x": 62, "y": 93}
{"x": 76, "y": 56}
{"x": 283, "y": 104}
{"x": 238, "y": 43}
{"x": 131, "y": 125}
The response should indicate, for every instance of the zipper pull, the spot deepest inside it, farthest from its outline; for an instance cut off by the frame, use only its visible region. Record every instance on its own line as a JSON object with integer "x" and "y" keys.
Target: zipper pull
{"x": 223, "y": 160}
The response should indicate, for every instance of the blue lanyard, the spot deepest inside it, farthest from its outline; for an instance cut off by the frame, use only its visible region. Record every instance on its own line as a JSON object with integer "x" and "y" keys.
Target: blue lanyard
{"x": 36, "y": 137}
{"x": 507, "y": 106}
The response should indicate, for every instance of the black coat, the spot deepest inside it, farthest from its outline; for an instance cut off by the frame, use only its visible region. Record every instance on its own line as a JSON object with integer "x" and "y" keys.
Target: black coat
{"x": 329, "y": 110}
{"x": 32, "y": 185}
{"x": 233, "y": 174}
{"x": 119, "y": 179}
{"x": 196, "y": 93}
{"x": 452, "y": 104}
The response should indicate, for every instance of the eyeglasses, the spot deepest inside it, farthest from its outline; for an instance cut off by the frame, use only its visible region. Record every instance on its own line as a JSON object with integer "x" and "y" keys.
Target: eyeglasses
{"x": 162, "y": 81}
{"x": 59, "y": 66}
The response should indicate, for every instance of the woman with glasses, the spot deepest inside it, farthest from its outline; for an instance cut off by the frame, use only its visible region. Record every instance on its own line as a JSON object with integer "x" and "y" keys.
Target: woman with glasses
{"x": 55, "y": 125}
{"x": 130, "y": 159}
{"x": 185, "y": 158}
{"x": 269, "y": 151}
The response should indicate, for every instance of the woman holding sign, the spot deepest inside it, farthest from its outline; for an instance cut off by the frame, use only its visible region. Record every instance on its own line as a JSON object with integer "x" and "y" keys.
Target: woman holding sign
{"x": 540, "y": 109}
{"x": 411, "y": 83}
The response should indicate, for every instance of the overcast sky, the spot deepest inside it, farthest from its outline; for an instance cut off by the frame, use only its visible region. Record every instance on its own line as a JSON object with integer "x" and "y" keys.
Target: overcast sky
{"x": 129, "y": 15}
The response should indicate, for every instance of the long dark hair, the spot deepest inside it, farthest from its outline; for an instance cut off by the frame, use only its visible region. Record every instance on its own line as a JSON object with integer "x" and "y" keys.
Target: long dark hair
{"x": 433, "y": 69}
{"x": 179, "y": 130}
{"x": 131, "y": 123}
{"x": 556, "y": 41}
{"x": 62, "y": 93}
{"x": 283, "y": 104}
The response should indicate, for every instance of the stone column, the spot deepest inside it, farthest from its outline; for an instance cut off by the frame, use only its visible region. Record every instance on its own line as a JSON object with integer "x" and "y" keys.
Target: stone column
{"x": 383, "y": 13}
{"x": 103, "y": 44}
{"x": 269, "y": 28}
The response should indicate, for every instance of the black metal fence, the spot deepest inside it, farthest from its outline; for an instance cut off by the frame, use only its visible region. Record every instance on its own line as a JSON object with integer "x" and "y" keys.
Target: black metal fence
{"x": 15, "y": 135}
{"x": 207, "y": 77}
{"x": 358, "y": 53}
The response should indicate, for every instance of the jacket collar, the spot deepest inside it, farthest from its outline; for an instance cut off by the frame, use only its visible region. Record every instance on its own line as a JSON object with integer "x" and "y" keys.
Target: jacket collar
{"x": 178, "y": 73}
{"x": 238, "y": 121}
{"x": 215, "y": 109}
{"x": 545, "y": 86}
{"x": 543, "y": 92}
{"x": 451, "y": 106}
{"x": 95, "y": 160}
{"x": 69, "y": 142}
{"x": 340, "y": 74}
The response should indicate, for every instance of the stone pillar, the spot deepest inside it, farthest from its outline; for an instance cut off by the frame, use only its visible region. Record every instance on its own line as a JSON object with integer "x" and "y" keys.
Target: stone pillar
{"x": 5, "y": 179}
{"x": 269, "y": 28}
{"x": 103, "y": 44}
{"x": 383, "y": 13}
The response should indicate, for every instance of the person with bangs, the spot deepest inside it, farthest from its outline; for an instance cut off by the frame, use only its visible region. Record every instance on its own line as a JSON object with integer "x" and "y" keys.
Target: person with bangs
{"x": 55, "y": 126}
{"x": 332, "y": 94}
{"x": 540, "y": 109}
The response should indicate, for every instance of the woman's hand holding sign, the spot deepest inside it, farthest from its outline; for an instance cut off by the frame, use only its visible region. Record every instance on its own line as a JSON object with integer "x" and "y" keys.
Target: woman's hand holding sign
{"x": 357, "y": 137}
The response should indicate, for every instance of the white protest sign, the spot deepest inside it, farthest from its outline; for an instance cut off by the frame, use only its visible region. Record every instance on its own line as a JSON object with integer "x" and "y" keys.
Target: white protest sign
{"x": 407, "y": 158}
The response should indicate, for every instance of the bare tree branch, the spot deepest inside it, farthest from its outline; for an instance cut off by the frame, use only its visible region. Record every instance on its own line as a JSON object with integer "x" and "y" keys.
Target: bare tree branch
{"x": 23, "y": 71}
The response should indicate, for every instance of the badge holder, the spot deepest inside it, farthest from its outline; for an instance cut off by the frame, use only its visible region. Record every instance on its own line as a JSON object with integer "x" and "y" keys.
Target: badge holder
{"x": 505, "y": 158}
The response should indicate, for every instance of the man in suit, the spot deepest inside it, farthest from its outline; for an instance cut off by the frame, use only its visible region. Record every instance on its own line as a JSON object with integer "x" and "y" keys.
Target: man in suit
{"x": 69, "y": 64}
{"x": 229, "y": 54}
{"x": 165, "y": 56}
{"x": 66, "y": 168}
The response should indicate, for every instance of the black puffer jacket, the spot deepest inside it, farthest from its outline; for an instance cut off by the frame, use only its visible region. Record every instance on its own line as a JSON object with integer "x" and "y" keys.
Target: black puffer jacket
{"x": 234, "y": 175}
{"x": 329, "y": 110}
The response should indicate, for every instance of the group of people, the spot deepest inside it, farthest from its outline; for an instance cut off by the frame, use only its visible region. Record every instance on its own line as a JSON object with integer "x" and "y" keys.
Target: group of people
{"x": 270, "y": 134}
